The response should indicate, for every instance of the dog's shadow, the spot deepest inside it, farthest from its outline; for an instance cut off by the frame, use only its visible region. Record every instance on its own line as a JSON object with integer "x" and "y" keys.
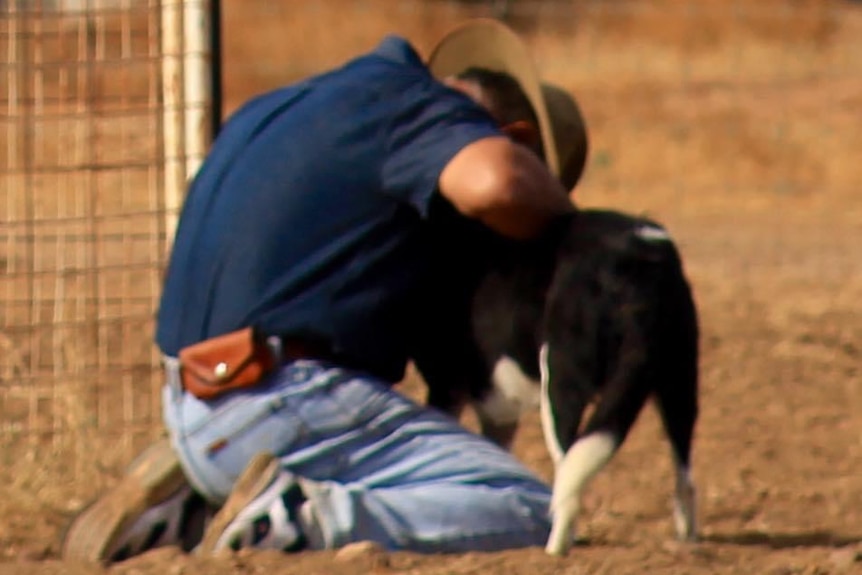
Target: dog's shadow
{"x": 783, "y": 540}
{"x": 769, "y": 539}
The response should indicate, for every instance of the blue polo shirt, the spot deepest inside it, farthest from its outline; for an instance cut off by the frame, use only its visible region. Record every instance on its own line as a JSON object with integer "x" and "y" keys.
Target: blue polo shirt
{"x": 306, "y": 217}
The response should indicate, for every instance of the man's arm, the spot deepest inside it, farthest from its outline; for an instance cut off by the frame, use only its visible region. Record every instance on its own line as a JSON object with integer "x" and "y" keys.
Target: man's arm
{"x": 505, "y": 186}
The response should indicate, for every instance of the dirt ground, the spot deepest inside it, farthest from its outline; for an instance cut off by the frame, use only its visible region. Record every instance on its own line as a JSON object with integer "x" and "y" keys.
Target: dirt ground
{"x": 737, "y": 127}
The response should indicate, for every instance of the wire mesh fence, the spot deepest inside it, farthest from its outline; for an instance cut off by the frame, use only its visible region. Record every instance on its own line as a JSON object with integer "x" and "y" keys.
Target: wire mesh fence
{"x": 700, "y": 112}
{"x": 83, "y": 223}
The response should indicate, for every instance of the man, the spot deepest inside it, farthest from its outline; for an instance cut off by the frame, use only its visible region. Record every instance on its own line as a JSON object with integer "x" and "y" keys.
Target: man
{"x": 308, "y": 224}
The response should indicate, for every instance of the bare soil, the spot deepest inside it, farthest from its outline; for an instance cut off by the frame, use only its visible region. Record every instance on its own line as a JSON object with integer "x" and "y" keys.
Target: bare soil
{"x": 736, "y": 124}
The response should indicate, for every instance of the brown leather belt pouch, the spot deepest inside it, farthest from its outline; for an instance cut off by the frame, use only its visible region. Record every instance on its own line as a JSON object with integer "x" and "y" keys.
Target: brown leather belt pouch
{"x": 236, "y": 360}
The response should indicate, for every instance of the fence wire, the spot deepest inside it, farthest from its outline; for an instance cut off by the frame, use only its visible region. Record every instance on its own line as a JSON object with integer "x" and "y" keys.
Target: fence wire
{"x": 82, "y": 242}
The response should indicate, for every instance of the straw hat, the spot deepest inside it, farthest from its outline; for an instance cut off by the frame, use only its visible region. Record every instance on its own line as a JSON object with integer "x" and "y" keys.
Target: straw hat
{"x": 569, "y": 133}
{"x": 490, "y": 44}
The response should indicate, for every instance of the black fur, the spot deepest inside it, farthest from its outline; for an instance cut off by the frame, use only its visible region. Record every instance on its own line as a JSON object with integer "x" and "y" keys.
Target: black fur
{"x": 606, "y": 293}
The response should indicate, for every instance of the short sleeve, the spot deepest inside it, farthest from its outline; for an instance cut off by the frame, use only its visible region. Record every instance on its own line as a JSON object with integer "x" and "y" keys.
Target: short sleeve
{"x": 431, "y": 125}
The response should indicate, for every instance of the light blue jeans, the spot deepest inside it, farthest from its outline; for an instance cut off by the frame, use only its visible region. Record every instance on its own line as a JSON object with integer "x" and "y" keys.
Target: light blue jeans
{"x": 381, "y": 467}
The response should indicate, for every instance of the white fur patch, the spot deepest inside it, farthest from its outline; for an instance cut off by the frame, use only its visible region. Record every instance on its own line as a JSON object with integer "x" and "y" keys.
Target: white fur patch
{"x": 652, "y": 233}
{"x": 685, "y": 505}
{"x": 513, "y": 393}
{"x": 546, "y": 412}
{"x": 582, "y": 461}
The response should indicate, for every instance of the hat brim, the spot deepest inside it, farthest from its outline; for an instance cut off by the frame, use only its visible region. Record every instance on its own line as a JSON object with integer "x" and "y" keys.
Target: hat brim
{"x": 570, "y": 133}
{"x": 490, "y": 44}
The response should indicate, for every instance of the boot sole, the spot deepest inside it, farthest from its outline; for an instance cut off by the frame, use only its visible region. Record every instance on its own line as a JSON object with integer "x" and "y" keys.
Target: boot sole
{"x": 261, "y": 470}
{"x": 151, "y": 478}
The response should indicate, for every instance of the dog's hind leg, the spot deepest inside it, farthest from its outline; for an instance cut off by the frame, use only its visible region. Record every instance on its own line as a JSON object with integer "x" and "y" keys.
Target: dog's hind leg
{"x": 613, "y": 416}
{"x": 676, "y": 394}
{"x": 676, "y": 399}
{"x": 561, "y": 408}
{"x": 582, "y": 461}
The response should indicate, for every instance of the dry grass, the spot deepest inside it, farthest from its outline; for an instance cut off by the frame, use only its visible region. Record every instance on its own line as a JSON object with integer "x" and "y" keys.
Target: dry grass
{"x": 733, "y": 122}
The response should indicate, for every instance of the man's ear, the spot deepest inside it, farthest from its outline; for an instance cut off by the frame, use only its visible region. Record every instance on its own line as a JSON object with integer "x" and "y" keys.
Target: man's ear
{"x": 525, "y": 133}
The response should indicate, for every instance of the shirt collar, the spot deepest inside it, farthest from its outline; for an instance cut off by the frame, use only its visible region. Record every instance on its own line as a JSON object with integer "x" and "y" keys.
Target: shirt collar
{"x": 399, "y": 50}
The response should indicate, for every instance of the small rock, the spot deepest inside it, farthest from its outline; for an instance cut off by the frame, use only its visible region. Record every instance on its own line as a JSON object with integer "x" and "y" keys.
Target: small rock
{"x": 360, "y": 549}
{"x": 845, "y": 558}
{"x": 35, "y": 552}
{"x": 242, "y": 553}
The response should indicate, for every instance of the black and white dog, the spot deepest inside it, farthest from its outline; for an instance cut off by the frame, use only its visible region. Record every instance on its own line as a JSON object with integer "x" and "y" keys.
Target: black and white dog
{"x": 598, "y": 312}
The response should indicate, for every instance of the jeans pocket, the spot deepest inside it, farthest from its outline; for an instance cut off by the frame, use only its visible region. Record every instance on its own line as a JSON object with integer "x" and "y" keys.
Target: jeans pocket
{"x": 221, "y": 442}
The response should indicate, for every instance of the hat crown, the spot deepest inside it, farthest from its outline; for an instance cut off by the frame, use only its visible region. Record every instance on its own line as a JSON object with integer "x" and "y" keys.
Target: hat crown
{"x": 490, "y": 44}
